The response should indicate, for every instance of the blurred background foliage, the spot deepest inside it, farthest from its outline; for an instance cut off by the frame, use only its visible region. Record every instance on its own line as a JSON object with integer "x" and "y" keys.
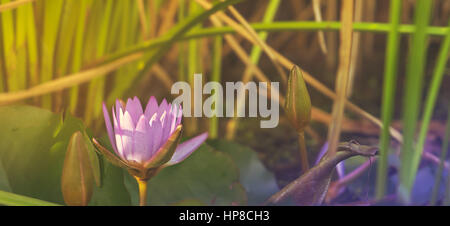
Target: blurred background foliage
{"x": 69, "y": 56}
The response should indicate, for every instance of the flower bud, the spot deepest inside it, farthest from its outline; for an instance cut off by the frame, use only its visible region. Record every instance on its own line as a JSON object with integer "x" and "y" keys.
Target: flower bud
{"x": 298, "y": 102}
{"x": 79, "y": 171}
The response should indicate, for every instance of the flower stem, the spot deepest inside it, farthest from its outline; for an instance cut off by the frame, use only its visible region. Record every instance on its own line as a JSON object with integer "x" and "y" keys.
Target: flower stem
{"x": 303, "y": 153}
{"x": 142, "y": 184}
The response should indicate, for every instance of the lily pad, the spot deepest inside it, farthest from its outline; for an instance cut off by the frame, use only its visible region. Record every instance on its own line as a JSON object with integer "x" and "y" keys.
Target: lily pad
{"x": 32, "y": 150}
{"x": 258, "y": 182}
{"x": 32, "y": 166}
{"x": 4, "y": 182}
{"x": 112, "y": 192}
{"x": 207, "y": 176}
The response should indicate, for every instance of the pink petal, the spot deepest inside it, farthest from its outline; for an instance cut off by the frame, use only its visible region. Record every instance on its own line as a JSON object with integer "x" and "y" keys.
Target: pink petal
{"x": 186, "y": 148}
{"x": 151, "y": 108}
{"x": 117, "y": 132}
{"x": 167, "y": 123}
{"x": 118, "y": 108}
{"x": 127, "y": 132}
{"x": 163, "y": 107}
{"x": 174, "y": 116}
{"x": 156, "y": 135}
{"x": 109, "y": 128}
{"x": 142, "y": 148}
{"x": 180, "y": 115}
{"x": 134, "y": 107}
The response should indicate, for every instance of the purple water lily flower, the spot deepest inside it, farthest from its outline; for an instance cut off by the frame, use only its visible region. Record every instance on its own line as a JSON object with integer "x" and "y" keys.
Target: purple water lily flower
{"x": 147, "y": 140}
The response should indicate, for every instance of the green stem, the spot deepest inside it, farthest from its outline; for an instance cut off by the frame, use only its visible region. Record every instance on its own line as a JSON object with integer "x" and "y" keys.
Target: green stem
{"x": 303, "y": 152}
{"x": 142, "y": 184}
{"x": 410, "y": 157}
{"x": 430, "y": 103}
{"x": 390, "y": 77}
{"x": 437, "y": 179}
{"x": 216, "y": 70}
{"x": 272, "y": 27}
{"x": 255, "y": 55}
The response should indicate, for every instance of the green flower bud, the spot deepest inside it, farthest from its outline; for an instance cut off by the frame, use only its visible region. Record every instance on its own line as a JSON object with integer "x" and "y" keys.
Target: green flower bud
{"x": 80, "y": 170}
{"x": 298, "y": 102}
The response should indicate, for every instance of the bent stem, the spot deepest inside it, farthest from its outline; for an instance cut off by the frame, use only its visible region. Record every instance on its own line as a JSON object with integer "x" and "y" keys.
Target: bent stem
{"x": 142, "y": 184}
{"x": 303, "y": 153}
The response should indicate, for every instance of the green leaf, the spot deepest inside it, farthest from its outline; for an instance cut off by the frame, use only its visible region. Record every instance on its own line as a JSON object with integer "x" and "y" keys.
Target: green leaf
{"x": 11, "y": 199}
{"x": 208, "y": 176}
{"x": 113, "y": 191}
{"x": 32, "y": 165}
{"x": 33, "y": 147}
{"x": 258, "y": 182}
{"x": 4, "y": 183}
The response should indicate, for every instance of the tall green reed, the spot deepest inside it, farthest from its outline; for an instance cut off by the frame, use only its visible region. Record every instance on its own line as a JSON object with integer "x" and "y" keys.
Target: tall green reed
{"x": 410, "y": 156}
{"x": 438, "y": 176}
{"x": 387, "y": 108}
{"x": 50, "y": 32}
{"x": 255, "y": 55}
{"x": 77, "y": 57}
{"x": 216, "y": 77}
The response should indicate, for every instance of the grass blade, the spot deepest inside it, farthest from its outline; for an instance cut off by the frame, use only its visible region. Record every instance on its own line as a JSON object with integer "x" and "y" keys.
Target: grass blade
{"x": 433, "y": 91}
{"x": 342, "y": 77}
{"x": 410, "y": 157}
{"x": 64, "y": 46}
{"x": 387, "y": 108}
{"x": 96, "y": 88}
{"x": 78, "y": 52}
{"x": 192, "y": 68}
{"x": 68, "y": 81}
{"x": 9, "y": 53}
{"x": 66, "y": 35}
{"x": 11, "y": 199}
{"x": 444, "y": 150}
{"x": 255, "y": 55}
{"x": 429, "y": 106}
{"x": 51, "y": 25}
{"x": 13, "y": 4}
{"x": 216, "y": 77}
{"x": 179, "y": 30}
{"x": 21, "y": 48}
{"x": 129, "y": 32}
{"x": 32, "y": 46}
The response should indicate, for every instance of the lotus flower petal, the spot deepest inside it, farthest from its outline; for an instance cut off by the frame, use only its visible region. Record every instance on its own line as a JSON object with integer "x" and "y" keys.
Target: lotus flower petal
{"x": 163, "y": 107}
{"x": 186, "y": 148}
{"x": 118, "y": 108}
{"x": 109, "y": 128}
{"x": 167, "y": 122}
{"x": 117, "y": 132}
{"x": 134, "y": 107}
{"x": 141, "y": 142}
{"x": 157, "y": 135}
{"x": 152, "y": 107}
{"x": 127, "y": 127}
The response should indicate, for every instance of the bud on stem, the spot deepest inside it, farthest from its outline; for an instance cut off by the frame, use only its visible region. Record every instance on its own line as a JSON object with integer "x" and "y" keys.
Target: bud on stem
{"x": 79, "y": 171}
{"x": 298, "y": 102}
{"x": 298, "y": 110}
